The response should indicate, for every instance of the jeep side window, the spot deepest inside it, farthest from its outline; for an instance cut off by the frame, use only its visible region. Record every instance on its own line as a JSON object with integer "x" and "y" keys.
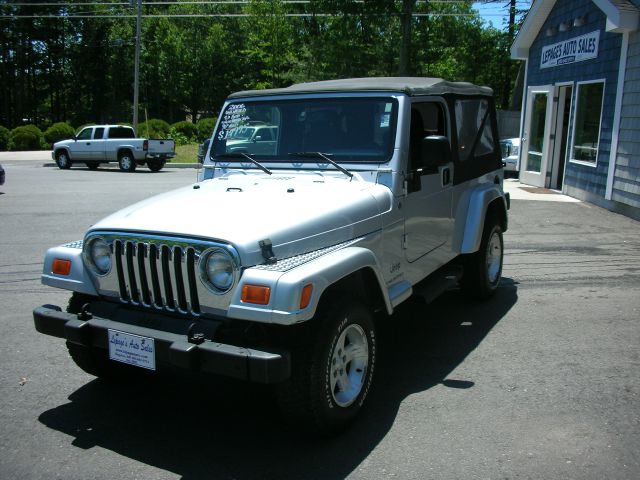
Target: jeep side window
{"x": 475, "y": 133}
{"x": 427, "y": 119}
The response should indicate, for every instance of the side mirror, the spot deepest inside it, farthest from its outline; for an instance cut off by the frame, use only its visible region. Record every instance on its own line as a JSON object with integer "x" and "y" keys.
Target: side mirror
{"x": 436, "y": 151}
{"x": 257, "y": 138}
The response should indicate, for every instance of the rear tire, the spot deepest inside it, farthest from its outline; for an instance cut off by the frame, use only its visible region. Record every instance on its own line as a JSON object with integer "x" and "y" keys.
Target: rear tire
{"x": 126, "y": 162}
{"x": 483, "y": 269}
{"x": 332, "y": 371}
{"x": 155, "y": 165}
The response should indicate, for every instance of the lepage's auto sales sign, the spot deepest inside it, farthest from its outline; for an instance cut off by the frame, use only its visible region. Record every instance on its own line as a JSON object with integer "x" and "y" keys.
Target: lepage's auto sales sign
{"x": 577, "y": 49}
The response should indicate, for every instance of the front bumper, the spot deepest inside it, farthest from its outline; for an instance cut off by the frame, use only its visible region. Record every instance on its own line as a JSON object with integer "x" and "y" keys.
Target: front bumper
{"x": 171, "y": 349}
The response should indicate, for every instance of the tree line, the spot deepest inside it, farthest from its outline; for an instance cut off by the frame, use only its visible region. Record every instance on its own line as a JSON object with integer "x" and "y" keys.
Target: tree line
{"x": 74, "y": 63}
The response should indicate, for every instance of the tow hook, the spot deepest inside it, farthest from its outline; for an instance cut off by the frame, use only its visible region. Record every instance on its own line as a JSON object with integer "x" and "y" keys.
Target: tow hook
{"x": 85, "y": 314}
{"x": 193, "y": 337}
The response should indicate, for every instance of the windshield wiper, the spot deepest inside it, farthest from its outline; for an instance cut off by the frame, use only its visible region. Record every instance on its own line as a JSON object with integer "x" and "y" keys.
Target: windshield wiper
{"x": 244, "y": 155}
{"x": 324, "y": 156}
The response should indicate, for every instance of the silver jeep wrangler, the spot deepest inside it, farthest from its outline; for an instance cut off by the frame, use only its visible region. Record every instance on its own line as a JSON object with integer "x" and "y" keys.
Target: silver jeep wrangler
{"x": 369, "y": 191}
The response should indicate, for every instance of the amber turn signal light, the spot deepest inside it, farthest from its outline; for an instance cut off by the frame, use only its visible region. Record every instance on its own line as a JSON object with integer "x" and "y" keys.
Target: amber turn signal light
{"x": 305, "y": 298}
{"x": 61, "y": 266}
{"x": 257, "y": 294}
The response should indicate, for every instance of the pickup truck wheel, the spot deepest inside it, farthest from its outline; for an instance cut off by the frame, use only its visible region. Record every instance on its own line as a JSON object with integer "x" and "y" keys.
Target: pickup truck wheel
{"x": 62, "y": 160}
{"x": 483, "y": 269}
{"x": 126, "y": 162}
{"x": 156, "y": 165}
{"x": 332, "y": 372}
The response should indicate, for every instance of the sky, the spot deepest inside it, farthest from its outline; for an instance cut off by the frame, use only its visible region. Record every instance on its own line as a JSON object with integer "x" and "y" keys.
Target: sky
{"x": 497, "y": 12}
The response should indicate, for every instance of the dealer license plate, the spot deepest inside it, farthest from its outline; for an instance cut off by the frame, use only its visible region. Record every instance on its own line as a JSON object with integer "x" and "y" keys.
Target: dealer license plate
{"x": 132, "y": 349}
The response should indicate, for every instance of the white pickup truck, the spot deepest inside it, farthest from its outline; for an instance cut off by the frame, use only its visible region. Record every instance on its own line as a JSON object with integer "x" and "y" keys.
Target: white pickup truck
{"x": 98, "y": 144}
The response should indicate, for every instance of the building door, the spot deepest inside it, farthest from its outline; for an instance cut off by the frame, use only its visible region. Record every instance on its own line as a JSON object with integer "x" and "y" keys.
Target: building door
{"x": 563, "y": 94}
{"x": 536, "y": 144}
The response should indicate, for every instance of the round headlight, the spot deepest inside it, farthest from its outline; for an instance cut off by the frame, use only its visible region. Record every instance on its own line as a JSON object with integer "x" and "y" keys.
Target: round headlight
{"x": 218, "y": 270}
{"x": 100, "y": 256}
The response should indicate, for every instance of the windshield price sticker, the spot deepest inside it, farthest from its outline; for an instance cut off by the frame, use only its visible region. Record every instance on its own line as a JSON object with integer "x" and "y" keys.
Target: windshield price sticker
{"x": 132, "y": 349}
{"x": 234, "y": 116}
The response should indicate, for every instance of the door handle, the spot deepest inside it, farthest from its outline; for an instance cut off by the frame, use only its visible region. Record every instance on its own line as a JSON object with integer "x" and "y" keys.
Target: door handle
{"x": 88, "y": 143}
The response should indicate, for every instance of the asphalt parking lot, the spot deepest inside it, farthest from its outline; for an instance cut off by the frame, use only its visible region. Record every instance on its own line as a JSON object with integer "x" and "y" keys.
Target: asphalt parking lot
{"x": 540, "y": 382}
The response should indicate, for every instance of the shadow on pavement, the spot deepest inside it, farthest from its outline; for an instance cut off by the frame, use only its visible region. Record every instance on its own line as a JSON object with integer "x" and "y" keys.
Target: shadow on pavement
{"x": 232, "y": 430}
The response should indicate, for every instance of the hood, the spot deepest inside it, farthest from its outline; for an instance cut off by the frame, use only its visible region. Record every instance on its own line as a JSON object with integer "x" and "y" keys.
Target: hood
{"x": 299, "y": 212}
{"x": 62, "y": 143}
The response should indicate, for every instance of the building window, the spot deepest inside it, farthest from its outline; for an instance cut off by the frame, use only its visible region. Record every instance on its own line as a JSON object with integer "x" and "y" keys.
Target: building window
{"x": 587, "y": 120}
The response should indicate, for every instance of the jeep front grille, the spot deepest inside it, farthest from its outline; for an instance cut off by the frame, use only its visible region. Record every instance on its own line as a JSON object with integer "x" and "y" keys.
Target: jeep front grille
{"x": 154, "y": 274}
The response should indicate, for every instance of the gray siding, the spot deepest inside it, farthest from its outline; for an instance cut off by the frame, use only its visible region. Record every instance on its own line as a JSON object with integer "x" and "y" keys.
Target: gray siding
{"x": 577, "y": 176}
{"x": 626, "y": 182}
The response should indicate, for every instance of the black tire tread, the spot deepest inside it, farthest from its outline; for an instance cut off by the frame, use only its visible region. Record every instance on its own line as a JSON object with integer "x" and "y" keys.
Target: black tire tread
{"x": 473, "y": 283}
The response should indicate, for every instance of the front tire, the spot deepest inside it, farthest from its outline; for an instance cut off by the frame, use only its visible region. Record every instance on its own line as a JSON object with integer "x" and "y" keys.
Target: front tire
{"x": 483, "y": 269}
{"x": 126, "y": 162}
{"x": 62, "y": 160}
{"x": 332, "y": 372}
{"x": 95, "y": 361}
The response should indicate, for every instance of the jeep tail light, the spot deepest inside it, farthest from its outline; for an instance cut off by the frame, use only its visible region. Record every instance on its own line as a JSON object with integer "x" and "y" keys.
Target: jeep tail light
{"x": 305, "y": 297}
{"x": 258, "y": 294}
{"x": 61, "y": 266}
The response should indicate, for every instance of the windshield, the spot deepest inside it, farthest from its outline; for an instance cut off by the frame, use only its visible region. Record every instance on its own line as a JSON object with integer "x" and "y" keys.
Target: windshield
{"x": 347, "y": 129}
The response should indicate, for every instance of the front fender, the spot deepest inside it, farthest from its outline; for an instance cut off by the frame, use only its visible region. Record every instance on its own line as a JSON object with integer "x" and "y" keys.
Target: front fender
{"x": 78, "y": 279}
{"x": 286, "y": 287}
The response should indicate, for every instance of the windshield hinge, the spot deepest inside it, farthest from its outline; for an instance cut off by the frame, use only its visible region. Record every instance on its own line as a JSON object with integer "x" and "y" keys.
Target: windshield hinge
{"x": 267, "y": 251}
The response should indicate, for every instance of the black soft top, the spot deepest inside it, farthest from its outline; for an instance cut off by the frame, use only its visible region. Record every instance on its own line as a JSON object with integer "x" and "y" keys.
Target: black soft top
{"x": 412, "y": 86}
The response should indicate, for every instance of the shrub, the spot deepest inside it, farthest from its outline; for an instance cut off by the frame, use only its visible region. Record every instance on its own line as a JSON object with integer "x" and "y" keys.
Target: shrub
{"x": 153, "y": 128}
{"x": 178, "y": 137}
{"x": 4, "y": 138}
{"x": 186, "y": 129}
{"x": 205, "y": 128}
{"x": 28, "y": 137}
{"x": 58, "y": 131}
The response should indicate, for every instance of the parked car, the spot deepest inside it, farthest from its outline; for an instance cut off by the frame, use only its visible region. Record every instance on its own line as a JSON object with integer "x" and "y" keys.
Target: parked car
{"x": 98, "y": 144}
{"x": 277, "y": 267}
{"x": 2, "y": 175}
{"x": 253, "y": 139}
{"x": 510, "y": 149}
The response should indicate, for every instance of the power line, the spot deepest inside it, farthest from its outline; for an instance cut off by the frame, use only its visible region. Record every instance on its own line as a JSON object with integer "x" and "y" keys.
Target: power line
{"x": 232, "y": 15}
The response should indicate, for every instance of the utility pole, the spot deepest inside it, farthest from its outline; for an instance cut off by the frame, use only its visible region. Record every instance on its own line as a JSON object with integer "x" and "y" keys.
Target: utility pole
{"x": 136, "y": 72}
{"x": 405, "y": 36}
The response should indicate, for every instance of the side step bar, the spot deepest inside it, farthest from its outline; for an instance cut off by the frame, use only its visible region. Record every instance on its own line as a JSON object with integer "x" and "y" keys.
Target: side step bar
{"x": 433, "y": 286}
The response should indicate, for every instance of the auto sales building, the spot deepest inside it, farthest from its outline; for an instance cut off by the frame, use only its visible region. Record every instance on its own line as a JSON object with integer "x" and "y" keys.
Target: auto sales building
{"x": 580, "y": 125}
